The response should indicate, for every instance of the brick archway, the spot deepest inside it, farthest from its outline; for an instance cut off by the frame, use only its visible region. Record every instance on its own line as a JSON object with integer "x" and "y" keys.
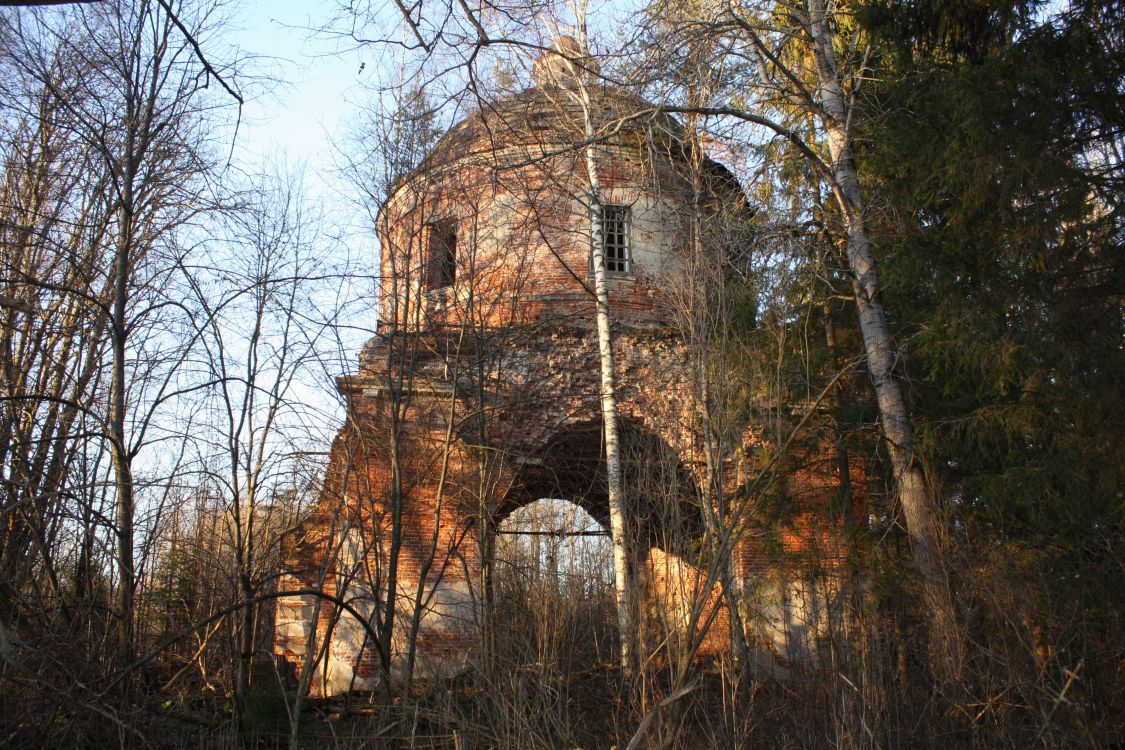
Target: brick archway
{"x": 480, "y": 388}
{"x": 662, "y": 498}
{"x": 459, "y": 477}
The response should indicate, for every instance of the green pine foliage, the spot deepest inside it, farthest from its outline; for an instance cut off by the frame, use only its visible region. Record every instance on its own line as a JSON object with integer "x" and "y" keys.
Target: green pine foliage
{"x": 996, "y": 152}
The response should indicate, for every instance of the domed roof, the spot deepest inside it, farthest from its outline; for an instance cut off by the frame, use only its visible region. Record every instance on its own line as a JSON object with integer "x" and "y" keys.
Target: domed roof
{"x": 552, "y": 117}
{"x": 549, "y": 119}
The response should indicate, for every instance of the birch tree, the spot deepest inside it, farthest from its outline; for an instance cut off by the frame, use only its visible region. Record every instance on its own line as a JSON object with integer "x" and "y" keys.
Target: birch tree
{"x": 576, "y": 82}
{"x": 838, "y": 91}
{"x": 802, "y": 71}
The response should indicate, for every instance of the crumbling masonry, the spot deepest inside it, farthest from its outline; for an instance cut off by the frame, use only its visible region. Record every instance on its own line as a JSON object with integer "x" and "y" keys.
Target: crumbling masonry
{"x": 479, "y": 393}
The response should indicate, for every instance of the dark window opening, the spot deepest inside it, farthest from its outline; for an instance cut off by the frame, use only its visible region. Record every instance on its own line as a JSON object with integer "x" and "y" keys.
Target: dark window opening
{"x": 441, "y": 267}
{"x": 615, "y": 233}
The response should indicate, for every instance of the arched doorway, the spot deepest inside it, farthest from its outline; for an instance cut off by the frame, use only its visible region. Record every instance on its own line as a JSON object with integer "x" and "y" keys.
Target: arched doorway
{"x": 552, "y": 589}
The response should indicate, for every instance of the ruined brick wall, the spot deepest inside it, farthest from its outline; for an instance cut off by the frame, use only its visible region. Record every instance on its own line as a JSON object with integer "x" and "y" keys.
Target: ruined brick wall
{"x": 457, "y": 458}
{"x": 451, "y": 478}
{"x": 482, "y": 395}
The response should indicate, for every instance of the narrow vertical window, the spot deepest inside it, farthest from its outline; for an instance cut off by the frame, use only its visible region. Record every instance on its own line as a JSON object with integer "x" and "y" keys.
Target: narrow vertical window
{"x": 441, "y": 261}
{"x": 615, "y": 230}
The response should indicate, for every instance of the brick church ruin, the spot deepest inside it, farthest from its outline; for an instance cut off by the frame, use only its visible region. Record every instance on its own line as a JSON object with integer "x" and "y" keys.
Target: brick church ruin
{"x": 479, "y": 394}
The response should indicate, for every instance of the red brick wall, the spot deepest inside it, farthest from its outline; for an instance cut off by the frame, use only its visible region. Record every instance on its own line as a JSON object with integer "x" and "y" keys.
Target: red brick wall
{"x": 467, "y": 389}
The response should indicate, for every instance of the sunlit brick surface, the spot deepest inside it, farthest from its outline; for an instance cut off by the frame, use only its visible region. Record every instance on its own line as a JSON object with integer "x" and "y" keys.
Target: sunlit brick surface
{"x": 480, "y": 395}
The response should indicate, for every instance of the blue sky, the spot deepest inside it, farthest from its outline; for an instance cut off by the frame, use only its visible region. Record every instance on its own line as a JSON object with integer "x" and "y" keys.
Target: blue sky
{"x": 318, "y": 88}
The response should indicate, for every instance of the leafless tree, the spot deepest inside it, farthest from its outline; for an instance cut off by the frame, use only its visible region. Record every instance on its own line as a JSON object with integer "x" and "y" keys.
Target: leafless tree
{"x": 257, "y": 295}
{"x": 117, "y": 169}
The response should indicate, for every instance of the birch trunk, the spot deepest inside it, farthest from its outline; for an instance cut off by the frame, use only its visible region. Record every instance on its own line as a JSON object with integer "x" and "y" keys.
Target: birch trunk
{"x": 618, "y": 526}
{"x": 923, "y": 524}
{"x": 618, "y": 522}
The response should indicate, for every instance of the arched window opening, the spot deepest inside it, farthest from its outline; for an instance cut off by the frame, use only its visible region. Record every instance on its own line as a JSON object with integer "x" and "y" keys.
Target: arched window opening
{"x": 441, "y": 261}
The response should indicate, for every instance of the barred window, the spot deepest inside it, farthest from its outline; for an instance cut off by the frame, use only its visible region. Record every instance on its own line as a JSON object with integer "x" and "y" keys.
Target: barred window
{"x": 615, "y": 231}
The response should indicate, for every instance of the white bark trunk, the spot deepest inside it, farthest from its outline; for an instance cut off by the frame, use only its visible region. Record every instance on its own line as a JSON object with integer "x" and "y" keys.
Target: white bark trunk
{"x": 618, "y": 522}
{"x": 923, "y": 524}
